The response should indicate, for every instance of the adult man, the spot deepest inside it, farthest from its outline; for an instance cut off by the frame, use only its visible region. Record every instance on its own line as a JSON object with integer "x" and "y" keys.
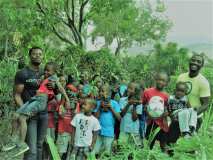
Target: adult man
{"x": 27, "y": 82}
{"x": 199, "y": 88}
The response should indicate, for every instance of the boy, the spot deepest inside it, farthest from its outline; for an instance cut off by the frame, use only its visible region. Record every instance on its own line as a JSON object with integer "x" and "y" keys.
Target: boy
{"x": 131, "y": 110}
{"x": 150, "y": 96}
{"x": 180, "y": 110}
{"x": 85, "y": 130}
{"x": 107, "y": 111}
{"x": 36, "y": 104}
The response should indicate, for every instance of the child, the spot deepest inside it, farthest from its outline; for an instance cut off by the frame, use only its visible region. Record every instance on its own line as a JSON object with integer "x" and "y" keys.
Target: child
{"x": 66, "y": 113}
{"x": 107, "y": 111}
{"x": 85, "y": 130}
{"x": 150, "y": 96}
{"x": 131, "y": 110}
{"x": 180, "y": 110}
{"x": 37, "y": 104}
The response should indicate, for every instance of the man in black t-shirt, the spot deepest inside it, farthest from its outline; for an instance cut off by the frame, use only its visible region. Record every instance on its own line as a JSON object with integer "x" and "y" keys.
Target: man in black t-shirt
{"x": 27, "y": 82}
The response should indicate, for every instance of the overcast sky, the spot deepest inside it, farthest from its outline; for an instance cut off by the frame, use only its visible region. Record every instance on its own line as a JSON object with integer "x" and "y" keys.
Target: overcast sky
{"x": 192, "y": 20}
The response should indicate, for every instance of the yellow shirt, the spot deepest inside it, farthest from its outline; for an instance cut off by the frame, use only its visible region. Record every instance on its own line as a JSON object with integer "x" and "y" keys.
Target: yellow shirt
{"x": 198, "y": 87}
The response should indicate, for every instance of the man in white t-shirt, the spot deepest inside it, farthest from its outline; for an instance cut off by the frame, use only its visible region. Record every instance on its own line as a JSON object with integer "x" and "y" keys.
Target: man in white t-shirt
{"x": 85, "y": 131}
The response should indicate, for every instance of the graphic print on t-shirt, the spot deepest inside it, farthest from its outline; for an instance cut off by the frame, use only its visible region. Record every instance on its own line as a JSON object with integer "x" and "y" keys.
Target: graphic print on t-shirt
{"x": 189, "y": 87}
{"x": 84, "y": 124}
{"x": 156, "y": 106}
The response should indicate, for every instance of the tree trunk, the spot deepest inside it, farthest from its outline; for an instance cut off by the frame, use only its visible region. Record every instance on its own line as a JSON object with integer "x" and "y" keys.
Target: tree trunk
{"x": 6, "y": 47}
{"x": 117, "y": 51}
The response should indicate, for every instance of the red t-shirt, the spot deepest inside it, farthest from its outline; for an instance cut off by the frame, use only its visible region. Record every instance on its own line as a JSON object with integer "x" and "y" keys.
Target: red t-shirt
{"x": 147, "y": 95}
{"x": 64, "y": 122}
{"x": 51, "y": 107}
{"x": 43, "y": 89}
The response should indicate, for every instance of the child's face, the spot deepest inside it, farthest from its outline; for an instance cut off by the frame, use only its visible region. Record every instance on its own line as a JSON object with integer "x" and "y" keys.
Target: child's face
{"x": 161, "y": 81}
{"x": 62, "y": 80}
{"x": 131, "y": 90}
{"x": 180, "y": 91}
{"x": 48, "y": 71}
{"x": 80, "y": 90}
{"x": 88, "y": 106}
{"x": 105, "y": 92}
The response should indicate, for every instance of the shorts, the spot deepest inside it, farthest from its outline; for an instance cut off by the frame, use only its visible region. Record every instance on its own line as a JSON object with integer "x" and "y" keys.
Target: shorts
{"x": 80, "y": 153}
{"x": 103, "y": 143}
{"x": 63, "y": 142}
{"x": 130, "y": 138}
{"x": 35, "y": 105}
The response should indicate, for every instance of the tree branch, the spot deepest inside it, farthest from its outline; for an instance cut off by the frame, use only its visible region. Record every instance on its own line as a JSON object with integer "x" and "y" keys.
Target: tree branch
{"x": 60, "y": 36}
{"x": 40, "y": 8}
{"x": 73, "y": 11}
{"x": 71, "y": 22}
{"x": 81, "y": 20}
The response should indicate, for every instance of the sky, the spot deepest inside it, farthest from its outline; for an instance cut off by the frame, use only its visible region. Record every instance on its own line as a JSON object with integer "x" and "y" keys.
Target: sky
{"x": 192, "y": 20}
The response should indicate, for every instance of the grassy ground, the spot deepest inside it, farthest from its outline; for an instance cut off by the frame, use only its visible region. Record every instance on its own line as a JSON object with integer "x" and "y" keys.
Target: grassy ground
{"x": 199, "y": 147}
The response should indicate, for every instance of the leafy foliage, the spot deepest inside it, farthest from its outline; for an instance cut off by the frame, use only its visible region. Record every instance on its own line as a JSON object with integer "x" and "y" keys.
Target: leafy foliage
{"x": 128, "y": 24}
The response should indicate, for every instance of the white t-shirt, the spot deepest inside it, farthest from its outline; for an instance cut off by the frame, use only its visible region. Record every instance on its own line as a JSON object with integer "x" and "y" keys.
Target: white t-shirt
{"x": 84, "y": 127}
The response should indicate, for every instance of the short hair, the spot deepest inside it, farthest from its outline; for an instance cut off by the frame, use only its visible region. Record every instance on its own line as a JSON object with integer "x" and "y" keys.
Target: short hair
{"x": 181, "y": 83}
{"x": 53, "y": 64}
{"x": 164, "y": 73}
{"x": 90, "y": 101}
{"x": 33, "y": 48}
{"x": 201, "y": 55}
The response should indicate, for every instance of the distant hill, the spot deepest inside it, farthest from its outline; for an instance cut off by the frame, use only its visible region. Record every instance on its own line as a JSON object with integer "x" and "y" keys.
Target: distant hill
{"x": 207, "y": 48}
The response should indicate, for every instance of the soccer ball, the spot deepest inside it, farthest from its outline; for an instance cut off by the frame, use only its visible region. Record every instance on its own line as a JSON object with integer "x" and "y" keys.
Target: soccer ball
{"x": 155, "y": 107}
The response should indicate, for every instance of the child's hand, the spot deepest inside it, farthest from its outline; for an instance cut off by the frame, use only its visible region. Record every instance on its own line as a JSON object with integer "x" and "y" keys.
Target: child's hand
{"x": 91, "y": 148}
{"x": 50, "y": 85}
{"x": 67, "y": 104}
{"x": 131, "y": 101}
{"x": 165, "y": 114}
{"x": 109, "y": 106}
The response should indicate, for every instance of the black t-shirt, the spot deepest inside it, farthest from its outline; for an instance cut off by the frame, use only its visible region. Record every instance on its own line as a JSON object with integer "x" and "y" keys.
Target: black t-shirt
{"x": 30, "y": 79}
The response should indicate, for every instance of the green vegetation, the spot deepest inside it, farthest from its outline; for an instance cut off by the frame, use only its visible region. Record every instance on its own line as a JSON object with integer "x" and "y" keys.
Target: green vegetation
{"x": 60, "y": 27}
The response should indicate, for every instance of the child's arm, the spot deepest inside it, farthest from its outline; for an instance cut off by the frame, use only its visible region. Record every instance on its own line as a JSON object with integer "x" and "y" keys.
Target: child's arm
{"x": 115, "y": 114}
{"x": 134, "y": 113}
{"x": 188, "y": 105}
{"x": 94, "y": 138}
{"x": 72, "y": 141}
{"x": 124, "y": 110}
{"x": 62, "y": 90}
{"x": 97, "y": 114}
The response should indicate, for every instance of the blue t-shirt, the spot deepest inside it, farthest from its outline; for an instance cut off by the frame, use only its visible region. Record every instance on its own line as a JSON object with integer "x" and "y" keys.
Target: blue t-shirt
{"x": 122, "y": 89}
{"x": 127, "y": 124}
{"x": 107, "y": 120}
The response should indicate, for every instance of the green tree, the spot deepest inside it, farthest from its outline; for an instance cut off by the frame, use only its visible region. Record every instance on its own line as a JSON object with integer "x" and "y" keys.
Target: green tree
{"x": 20, "y": 27}
{"x": 66, "y": 19}
{"x": 122, "y": 21}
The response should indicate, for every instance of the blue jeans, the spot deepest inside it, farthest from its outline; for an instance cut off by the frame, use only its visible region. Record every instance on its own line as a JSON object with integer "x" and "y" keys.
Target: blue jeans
{"x": 35, "y": 105}
{"x": 36, "y": 132}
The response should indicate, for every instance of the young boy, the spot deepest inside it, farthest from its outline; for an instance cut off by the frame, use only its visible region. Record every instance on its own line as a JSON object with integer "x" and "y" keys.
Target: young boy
{"x": 85, "y": 130}
{"x": 37, "y": 104}
{"x": 107, "y": 111}
{"x": 131, "y": 110}
{"x": 180, "y": 110}
{"x": 156, "y": 95}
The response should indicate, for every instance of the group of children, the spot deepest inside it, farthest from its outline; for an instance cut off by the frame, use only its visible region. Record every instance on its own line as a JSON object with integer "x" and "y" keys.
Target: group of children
{"x": 82, "y": 123}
